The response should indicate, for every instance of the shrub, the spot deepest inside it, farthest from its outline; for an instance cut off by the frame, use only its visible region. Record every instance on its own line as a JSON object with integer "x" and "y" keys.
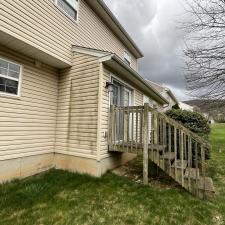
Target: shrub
{"x": 194, "y": 121}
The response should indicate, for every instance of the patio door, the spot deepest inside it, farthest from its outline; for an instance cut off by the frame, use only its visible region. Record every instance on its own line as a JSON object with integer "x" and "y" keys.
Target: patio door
{"x": 121, "y": 96}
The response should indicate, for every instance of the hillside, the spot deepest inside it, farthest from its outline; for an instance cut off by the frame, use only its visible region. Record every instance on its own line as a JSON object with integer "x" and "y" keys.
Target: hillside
{"x": 212, "y": 107}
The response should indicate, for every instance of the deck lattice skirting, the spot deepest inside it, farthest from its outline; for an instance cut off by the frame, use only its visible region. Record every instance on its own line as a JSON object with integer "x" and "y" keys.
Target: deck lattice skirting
{"x": 173, "y": 148}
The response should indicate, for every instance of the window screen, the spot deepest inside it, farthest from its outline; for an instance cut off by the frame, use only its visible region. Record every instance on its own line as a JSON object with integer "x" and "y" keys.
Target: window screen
{"x": 9, "y": 77}
{"x": 70, "y": 7}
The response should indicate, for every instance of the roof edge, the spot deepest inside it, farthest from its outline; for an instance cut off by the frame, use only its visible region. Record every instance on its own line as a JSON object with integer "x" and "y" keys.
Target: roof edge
{"x": 173, "y": 96}
{"x": 159, "y": 97}
{"x": 119, "y": 26}
{"x": 164, "y": 88}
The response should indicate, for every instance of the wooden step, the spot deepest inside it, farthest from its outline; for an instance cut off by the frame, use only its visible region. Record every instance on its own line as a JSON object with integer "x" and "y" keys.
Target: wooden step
{"x": 206, "y": 184}
{"x": 206, "y": 188}
{"x": 179, "y": 164}
{"x": 193, "y": 173}
{"x": 159, "y": 148}
{"x": 168, "y": 156}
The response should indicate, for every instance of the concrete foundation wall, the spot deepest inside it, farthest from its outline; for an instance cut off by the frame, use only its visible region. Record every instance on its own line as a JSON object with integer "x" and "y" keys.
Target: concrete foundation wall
{"x": 75, "y": 164}
{"x": 115, "y": 160}
{"x": 28, "y": 166}
{"x": 91, "y": 166}
{"x": 25, "y": 167}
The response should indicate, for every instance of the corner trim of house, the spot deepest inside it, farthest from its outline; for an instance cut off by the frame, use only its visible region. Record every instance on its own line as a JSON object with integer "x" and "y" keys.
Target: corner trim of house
{"x": 100, "y": 103}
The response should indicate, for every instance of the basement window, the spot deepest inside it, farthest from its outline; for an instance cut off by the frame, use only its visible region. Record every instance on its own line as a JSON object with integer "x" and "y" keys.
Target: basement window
{"x": 69, "y": 7}
{"x": 10, "y": 76}
{"x": 127, "y": 58}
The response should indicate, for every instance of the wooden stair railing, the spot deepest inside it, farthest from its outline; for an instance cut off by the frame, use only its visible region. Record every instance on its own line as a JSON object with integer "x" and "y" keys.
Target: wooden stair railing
{"x": 176, "y": 150}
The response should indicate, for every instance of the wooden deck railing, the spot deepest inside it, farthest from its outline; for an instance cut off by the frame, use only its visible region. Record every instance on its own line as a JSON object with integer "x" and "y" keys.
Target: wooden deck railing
{"x": 174, "y": 148}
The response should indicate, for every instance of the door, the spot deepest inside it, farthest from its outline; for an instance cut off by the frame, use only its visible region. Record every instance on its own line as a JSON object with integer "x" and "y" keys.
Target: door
{"x": 121, "y": 96}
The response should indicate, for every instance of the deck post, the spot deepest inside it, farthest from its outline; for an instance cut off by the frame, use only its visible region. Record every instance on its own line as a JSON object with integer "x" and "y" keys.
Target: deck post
{"x": 145, "y": 144}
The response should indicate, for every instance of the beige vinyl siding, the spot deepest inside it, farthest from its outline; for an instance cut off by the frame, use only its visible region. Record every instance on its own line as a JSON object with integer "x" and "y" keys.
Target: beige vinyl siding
{"x": 138, "y": 100}
{"x": 42, "y": 25}
{"x": 28, "y": 123}
{"x": 138, "y": 97}
{"x": 78, "y": 108}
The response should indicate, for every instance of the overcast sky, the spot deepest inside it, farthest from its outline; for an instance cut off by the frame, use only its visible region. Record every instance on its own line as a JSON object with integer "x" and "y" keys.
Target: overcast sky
{"x": 153, "y": 24}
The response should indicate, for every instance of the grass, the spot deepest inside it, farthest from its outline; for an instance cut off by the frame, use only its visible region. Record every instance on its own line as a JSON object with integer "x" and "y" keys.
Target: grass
{"x": 59, "y": 197}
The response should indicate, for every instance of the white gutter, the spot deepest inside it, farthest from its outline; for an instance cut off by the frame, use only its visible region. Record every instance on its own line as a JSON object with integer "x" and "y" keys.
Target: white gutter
{"x": 153, "y": 93}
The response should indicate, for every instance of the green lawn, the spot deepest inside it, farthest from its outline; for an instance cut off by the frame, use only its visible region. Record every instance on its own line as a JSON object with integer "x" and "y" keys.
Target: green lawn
{"x": 59, "y": 197}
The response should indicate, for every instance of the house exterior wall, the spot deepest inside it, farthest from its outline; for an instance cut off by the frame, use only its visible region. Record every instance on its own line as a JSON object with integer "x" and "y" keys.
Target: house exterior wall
{"x": 43, "y": 25}
{"x": 56, "y": 122}
{"x": 28, "y": 122}
{"x": 77, "y": 115}
{"x": 137, "y": 100}
{"x": 82, "y": 118}
{"x": 60, "y": 120}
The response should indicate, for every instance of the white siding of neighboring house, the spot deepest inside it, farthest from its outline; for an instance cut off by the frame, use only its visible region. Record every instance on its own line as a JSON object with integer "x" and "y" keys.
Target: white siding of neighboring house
{"x": 185, "y": 106}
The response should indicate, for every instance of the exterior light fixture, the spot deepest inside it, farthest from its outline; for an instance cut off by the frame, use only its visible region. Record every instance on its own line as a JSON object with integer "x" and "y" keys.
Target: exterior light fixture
{"x": 109, "y": 86}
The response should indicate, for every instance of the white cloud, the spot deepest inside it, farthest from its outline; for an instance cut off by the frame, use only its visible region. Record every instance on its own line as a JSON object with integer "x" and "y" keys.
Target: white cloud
{"x": 153, "y": 25}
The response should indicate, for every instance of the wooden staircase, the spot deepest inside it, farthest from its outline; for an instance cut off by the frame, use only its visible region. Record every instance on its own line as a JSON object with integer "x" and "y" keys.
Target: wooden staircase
{"x": 174, "y": 149}
{"x": 189, "y": 178}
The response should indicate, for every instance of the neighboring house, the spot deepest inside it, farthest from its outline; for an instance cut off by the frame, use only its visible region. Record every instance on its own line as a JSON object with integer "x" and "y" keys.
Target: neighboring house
{"x": 187, "y": 107}
{"x": 62, "y": 63}
{"x": 208, "y": 117}
{"x": 211, "y": 120}
{"x": 166, "y": 93}
{"x": 220, "y": 118}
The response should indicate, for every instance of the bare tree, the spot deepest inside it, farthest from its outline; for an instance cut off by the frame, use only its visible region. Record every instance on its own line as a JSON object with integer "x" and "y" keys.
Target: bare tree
{"x": 205, "y": 48}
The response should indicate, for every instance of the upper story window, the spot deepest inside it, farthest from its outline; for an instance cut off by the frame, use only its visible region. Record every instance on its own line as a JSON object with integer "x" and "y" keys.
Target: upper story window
{"x": 10, "y": 75}
{"x": 127, "y": 58}
{"x": 69, "y": 7}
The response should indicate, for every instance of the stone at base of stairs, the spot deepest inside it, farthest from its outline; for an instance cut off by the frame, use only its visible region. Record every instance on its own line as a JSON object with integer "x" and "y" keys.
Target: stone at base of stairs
{"x": 120, "y": 171}
{"x": 202, "y": 188}
{"x": 206, "y": 188}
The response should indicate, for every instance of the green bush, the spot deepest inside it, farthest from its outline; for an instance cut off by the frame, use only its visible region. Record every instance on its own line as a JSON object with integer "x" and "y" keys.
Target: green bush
{"x": 194, "y": 121}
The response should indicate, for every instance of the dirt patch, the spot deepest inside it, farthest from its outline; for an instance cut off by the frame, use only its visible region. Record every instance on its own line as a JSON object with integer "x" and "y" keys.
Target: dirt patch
{"x": 157, "y": 178}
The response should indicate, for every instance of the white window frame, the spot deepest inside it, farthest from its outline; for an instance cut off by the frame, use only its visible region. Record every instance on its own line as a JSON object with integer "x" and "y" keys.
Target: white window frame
{"x": 131, "y": 93}
{"x": 14, "y": 79}
{"x": 66, "y": 14}
{"x": 127, "y": 86}
{"x": 127, "y": 57}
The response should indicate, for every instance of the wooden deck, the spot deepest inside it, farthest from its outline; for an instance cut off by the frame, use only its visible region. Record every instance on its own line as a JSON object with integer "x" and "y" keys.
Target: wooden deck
{"x": 177, "y": 151}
